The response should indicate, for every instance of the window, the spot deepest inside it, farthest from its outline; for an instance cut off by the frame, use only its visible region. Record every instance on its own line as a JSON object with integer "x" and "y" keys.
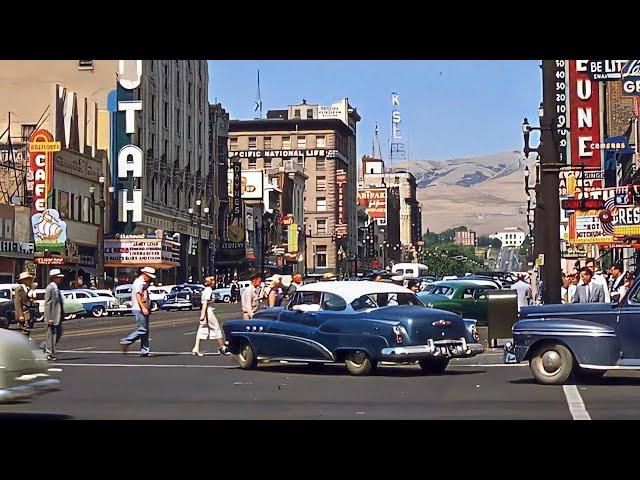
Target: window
{"x": 166, "y": 77}
{"x": 200, "y": 131}
{"x": 321, "y": 226}
{"x": 152, "y": 147}
{"x": 27, "y": 130}
{"x": 376, "y": 300}
{"x": 267, "y": 143}
{"x": 85, "y": 64}
{"x": 321, "y": 184}
{"x": 190, "y": 96}
{"x": 305, "y": 298}
{"x": 177, "y": 162}
{"x": 267, "y": 162}
{"x": 189, "y": 127}
{"x": 165, "y": 152}
{"x": 178, "y": 84}
{"x": 321, "y": 141}
{"x": 309, "y": 113}
{"x": 63, "y": 203}
{"x": 332, "y": 302}
{"x": 153, "y": 63}
{"x": 296, "y": 113}
{"x": 286, "y": 143}
{"x": 81, "y": 295}
{"x": 302, "y": 141}
{"x": 253, "y": 163}
{"x": 86, "y": 207}
{"x": 467, "y": 294}
{"x": 320, "y": 164}
{"x": 321, "y": 256}
{"x": 166, "y": 114}
{"x": 73, "y": 207}
{"x": 200, "y": 97}
{"x": 153, "y": 108}
{"x": 233, "y": 143}
{"x": 321, "y": 204}
{"x": 178, "y": 121}
{"x": 252, "y": 143}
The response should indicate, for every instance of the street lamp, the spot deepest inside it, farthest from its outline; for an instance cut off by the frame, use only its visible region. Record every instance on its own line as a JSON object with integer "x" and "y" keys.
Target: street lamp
{"x": 101, "y": 204}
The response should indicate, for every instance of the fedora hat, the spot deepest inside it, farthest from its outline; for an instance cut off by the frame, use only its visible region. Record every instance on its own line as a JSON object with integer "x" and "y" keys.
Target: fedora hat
{"x": 56, "y": 273}
{"x": 24, "y": 275}
{"x": 149, "y": 271}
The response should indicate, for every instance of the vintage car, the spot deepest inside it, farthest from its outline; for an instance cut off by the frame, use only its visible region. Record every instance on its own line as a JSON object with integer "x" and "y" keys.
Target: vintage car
{"x": 183, "y": 297}
{"x": 222, "y": 294}
{"x": 583, "y": 339}
{"x": 360, "y": 324}
{"x": 467, "y": 298}
{"x": 72, "y": 308}
{"x": 23, "y": 371}
{"x": 93, "y": 303}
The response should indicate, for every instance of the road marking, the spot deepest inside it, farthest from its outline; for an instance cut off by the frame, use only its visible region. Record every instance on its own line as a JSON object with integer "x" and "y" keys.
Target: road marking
{"x": 576, "y": 405}
{"x": 143, "y": 365}
{"x": 119, "y": 352}
{"x": 82, "y": 348}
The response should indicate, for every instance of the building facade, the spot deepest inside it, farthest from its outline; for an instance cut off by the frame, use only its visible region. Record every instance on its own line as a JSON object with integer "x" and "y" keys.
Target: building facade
{"x": 322, "y": 141}
{"x": 465, "y": 237}
{"x": 511, "y": 237}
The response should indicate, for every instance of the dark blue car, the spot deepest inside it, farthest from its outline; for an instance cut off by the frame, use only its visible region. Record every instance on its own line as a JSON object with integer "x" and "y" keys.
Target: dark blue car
{"x": 584, "y": 339}
{"x": 356, "y": 323}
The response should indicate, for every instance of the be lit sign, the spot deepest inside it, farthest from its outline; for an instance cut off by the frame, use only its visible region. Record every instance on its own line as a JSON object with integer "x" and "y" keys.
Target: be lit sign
{"x": 130, "y": 158}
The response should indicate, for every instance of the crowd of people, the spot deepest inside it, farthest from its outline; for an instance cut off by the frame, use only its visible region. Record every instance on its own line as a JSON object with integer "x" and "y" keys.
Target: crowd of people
{"x": 589, "y": 284}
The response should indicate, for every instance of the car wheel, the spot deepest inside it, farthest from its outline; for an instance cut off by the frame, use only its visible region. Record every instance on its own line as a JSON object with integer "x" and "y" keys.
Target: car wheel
{"x": 588, "y": 374}
{"x": 358, "y": 363}
{"x": 226, "y": 299}
{"x": 551, "y": 364}
{"x": 97, "y": 311}
{"x": 433, "y": 366}
{"x": 247, "y": 357}
{"x": 154, "y": 306}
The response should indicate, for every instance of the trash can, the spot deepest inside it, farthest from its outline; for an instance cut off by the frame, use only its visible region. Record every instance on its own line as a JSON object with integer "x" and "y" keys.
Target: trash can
{"x": 502, "y": 314}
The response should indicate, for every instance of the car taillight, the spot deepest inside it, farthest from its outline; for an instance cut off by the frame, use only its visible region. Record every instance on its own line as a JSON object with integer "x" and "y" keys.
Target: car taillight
{"x": 399, "y": 331}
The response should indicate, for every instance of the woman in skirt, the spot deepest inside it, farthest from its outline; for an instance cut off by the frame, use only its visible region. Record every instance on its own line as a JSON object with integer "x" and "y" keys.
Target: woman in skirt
{"x": 209, "y": 328}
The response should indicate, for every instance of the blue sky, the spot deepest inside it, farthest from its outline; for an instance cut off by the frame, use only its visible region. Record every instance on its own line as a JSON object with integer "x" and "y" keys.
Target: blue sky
{"x": 449, "y": 108}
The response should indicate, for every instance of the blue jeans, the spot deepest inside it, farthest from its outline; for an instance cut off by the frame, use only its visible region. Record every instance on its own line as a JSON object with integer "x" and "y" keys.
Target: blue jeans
{"x": 142, "y": 332}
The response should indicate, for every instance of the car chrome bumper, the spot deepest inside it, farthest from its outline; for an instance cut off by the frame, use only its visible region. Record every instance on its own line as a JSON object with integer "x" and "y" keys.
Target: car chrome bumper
{"x": 26, "y": 392}
{"x": 440, "y": 348}
{"x": 509, "y": 354}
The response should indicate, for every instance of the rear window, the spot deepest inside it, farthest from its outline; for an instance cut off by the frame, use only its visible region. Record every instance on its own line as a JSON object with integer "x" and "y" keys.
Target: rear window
{"x": 442, "y": 290}
{"x": 376, "y": 300}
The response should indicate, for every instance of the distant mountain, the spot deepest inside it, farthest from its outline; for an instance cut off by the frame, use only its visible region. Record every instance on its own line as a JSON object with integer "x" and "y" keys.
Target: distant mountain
{"x": 484, "y": 193}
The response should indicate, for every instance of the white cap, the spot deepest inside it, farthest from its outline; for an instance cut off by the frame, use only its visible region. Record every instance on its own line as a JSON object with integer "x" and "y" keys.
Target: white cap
{"x": 149, "y": 271}
{"x": 24, "y": 275}
{"x": 56, "y": 273}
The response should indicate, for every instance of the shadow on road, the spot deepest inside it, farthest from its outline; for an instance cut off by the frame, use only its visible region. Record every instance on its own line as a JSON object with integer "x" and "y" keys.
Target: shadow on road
{"x": 524, "y": 381}
{"x": 32, "y": 416}
{"x": 339, "y": 370}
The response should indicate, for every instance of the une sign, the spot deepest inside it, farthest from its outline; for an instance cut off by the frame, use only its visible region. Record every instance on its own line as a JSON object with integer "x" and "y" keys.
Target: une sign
{"x": 130, "y": 157}
{"x": 584, "y": 116}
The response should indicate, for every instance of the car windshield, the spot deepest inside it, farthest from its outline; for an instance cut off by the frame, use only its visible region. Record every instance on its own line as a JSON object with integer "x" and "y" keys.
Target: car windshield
{"x": 376, "y": 300}
{"x": 442, "y": 290}
{"x": 5, "y": 294}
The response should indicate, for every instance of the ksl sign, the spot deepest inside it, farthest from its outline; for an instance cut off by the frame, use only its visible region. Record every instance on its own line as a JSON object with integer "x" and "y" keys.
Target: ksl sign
{"x": 631, "y": 78}
{"x": 130, "y": 158}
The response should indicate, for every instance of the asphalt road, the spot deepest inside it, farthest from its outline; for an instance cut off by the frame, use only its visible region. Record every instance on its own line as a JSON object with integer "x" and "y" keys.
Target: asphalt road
{"x": 99, "y": 382}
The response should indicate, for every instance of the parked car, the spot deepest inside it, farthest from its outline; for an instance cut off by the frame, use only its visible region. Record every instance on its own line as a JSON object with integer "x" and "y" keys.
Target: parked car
{"x": 467, "y": 298}
{"x": 184, "y": 297}
{"x": 409, "y": 270}
{"x": 23, "y": 375}
{"x": 72, "y": 308}
{"x": 359, "y": 324}
{"x": 222, "y": 294}
{"x": 583, "y": 339}
{"x": 93, "y": 303}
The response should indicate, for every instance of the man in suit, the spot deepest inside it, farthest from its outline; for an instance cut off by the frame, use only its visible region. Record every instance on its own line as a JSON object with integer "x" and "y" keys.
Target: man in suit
{"x": 22, "y": 302}
{"x": 616, "y": 280}
{"x": 53, "y": 312}
{"x": 588, "y": 292}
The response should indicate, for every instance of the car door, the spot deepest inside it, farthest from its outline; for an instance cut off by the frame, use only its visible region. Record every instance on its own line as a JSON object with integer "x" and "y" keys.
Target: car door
{"x": 480, "y": 303}
{"x": 289, "y": 336}
{"x": 628, "y": 320}
{"x": 467, "y": 303}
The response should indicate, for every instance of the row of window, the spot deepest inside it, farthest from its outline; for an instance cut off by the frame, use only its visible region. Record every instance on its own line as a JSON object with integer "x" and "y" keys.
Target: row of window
{"x": 268, "y": 163}
{"x": 74, "y": 207}
{"x": 178, "y": 119}
{"x": 6, "y": 228}
{"x": 301, "y": 142}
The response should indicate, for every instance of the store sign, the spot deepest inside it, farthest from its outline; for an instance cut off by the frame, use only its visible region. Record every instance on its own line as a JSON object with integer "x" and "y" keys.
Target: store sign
{"x": 586, "y": 227}
{"x": 584, "y": 117}
{"x": 41, "y": 148}
{"x": 562, "y": 106}
{"x": 292, "y": 238}
{"x": 575, "y": 181}
{"x": 374, "y": 203}
{"x": 251, "y": 184}
{"x": 130, "y": 160}
{"x": 49, "y": 260}
{"x": 49, "y": 231}
{"x": 605, "y": 70}
{"x": 17, "y": 247}
{"x": 341, "y": 228}
{"x": 631, "y": 78}
{"x": 140, "y": 251}
{"x": 287, "y": 220}
{"x": 236, "y": 191}
{"x": 284, "y": 153}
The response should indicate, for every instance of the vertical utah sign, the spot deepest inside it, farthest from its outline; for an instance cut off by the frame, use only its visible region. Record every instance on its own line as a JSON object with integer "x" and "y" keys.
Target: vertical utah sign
{"x": 130, "y": 161}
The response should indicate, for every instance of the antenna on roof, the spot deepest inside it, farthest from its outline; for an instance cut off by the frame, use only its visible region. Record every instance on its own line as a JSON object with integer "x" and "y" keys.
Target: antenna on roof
{"x": 258, "y": 98}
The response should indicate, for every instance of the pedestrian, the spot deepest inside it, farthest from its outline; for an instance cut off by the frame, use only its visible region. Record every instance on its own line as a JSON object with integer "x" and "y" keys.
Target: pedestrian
{"x": 251, "y": 297}
{"x": 23, "y": 301}
{"x": 597, "y": 278}
{"x": 524, "y": 292}
{"x": 275, "y": 294}
{"x": 564, "y": 290}
{"x": 140, "y": 308}
{"x": 53, "y": 312}
{"x": 626, "y": 286}
{"x": 329, "y": 277}
{"x": 414, "y": 286}
{"x": 235, "y": 292}
{"x": 573, "y": 287}
{"x": 377, "y": 278}
{"x": 616, "y": 280}
{"x": 589, "y": 291}
{"x": 209, "y": 328}
{"x": 296, "y": 282}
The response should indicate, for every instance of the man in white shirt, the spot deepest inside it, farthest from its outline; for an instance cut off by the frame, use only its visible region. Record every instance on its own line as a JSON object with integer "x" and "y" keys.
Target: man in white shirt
{"x": 524, "y": 292}
{"x": 250, "y": 298}
{"x": 141, "y": 310}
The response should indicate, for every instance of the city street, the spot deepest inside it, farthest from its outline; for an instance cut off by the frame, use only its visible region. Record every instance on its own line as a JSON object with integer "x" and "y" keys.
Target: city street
{"x": 99, "y": 382}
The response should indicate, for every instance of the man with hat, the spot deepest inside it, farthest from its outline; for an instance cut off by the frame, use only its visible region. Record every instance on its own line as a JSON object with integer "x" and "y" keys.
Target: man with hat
{"x": 53, "y": 312}
{"x": 141, "y": 310}
{"x": 616, "y": 280}
{"x": 22, "y": 302}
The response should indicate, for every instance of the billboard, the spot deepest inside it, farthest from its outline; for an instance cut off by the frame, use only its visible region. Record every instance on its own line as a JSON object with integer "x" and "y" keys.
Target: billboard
{"x": 585, "y": 126}
{"x": 251, "y": 184}
{"x": 573, "y": 181}
{"x": 374, "y": 203}
{"x": 140, "y": 251}
{"x": 49, "y": 231}
{"x": 341, "y": 223}
{"x": 41, "y": 148}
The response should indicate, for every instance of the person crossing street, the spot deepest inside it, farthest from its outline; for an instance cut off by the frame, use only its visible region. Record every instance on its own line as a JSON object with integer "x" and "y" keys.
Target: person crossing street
{"x": 53, "y": 313}
{"x": 141, "y": 310}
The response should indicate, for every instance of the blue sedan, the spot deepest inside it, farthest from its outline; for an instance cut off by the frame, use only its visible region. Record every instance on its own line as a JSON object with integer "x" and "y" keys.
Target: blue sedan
{"x": 356, "y": 323}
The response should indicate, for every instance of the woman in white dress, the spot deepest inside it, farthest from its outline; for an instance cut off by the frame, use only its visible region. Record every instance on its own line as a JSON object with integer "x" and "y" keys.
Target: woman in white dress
{"x": 209, "y": 328}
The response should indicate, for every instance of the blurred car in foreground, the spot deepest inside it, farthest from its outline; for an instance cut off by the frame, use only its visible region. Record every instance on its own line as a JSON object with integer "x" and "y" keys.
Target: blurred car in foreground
{"x": 22, "y": 374}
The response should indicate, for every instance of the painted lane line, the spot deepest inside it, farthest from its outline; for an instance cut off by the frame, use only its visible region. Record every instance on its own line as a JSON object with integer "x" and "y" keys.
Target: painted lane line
{"x": 119, "y": 352}
{"x": 147, "y": 365}
{"x": 576, "y": 405}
